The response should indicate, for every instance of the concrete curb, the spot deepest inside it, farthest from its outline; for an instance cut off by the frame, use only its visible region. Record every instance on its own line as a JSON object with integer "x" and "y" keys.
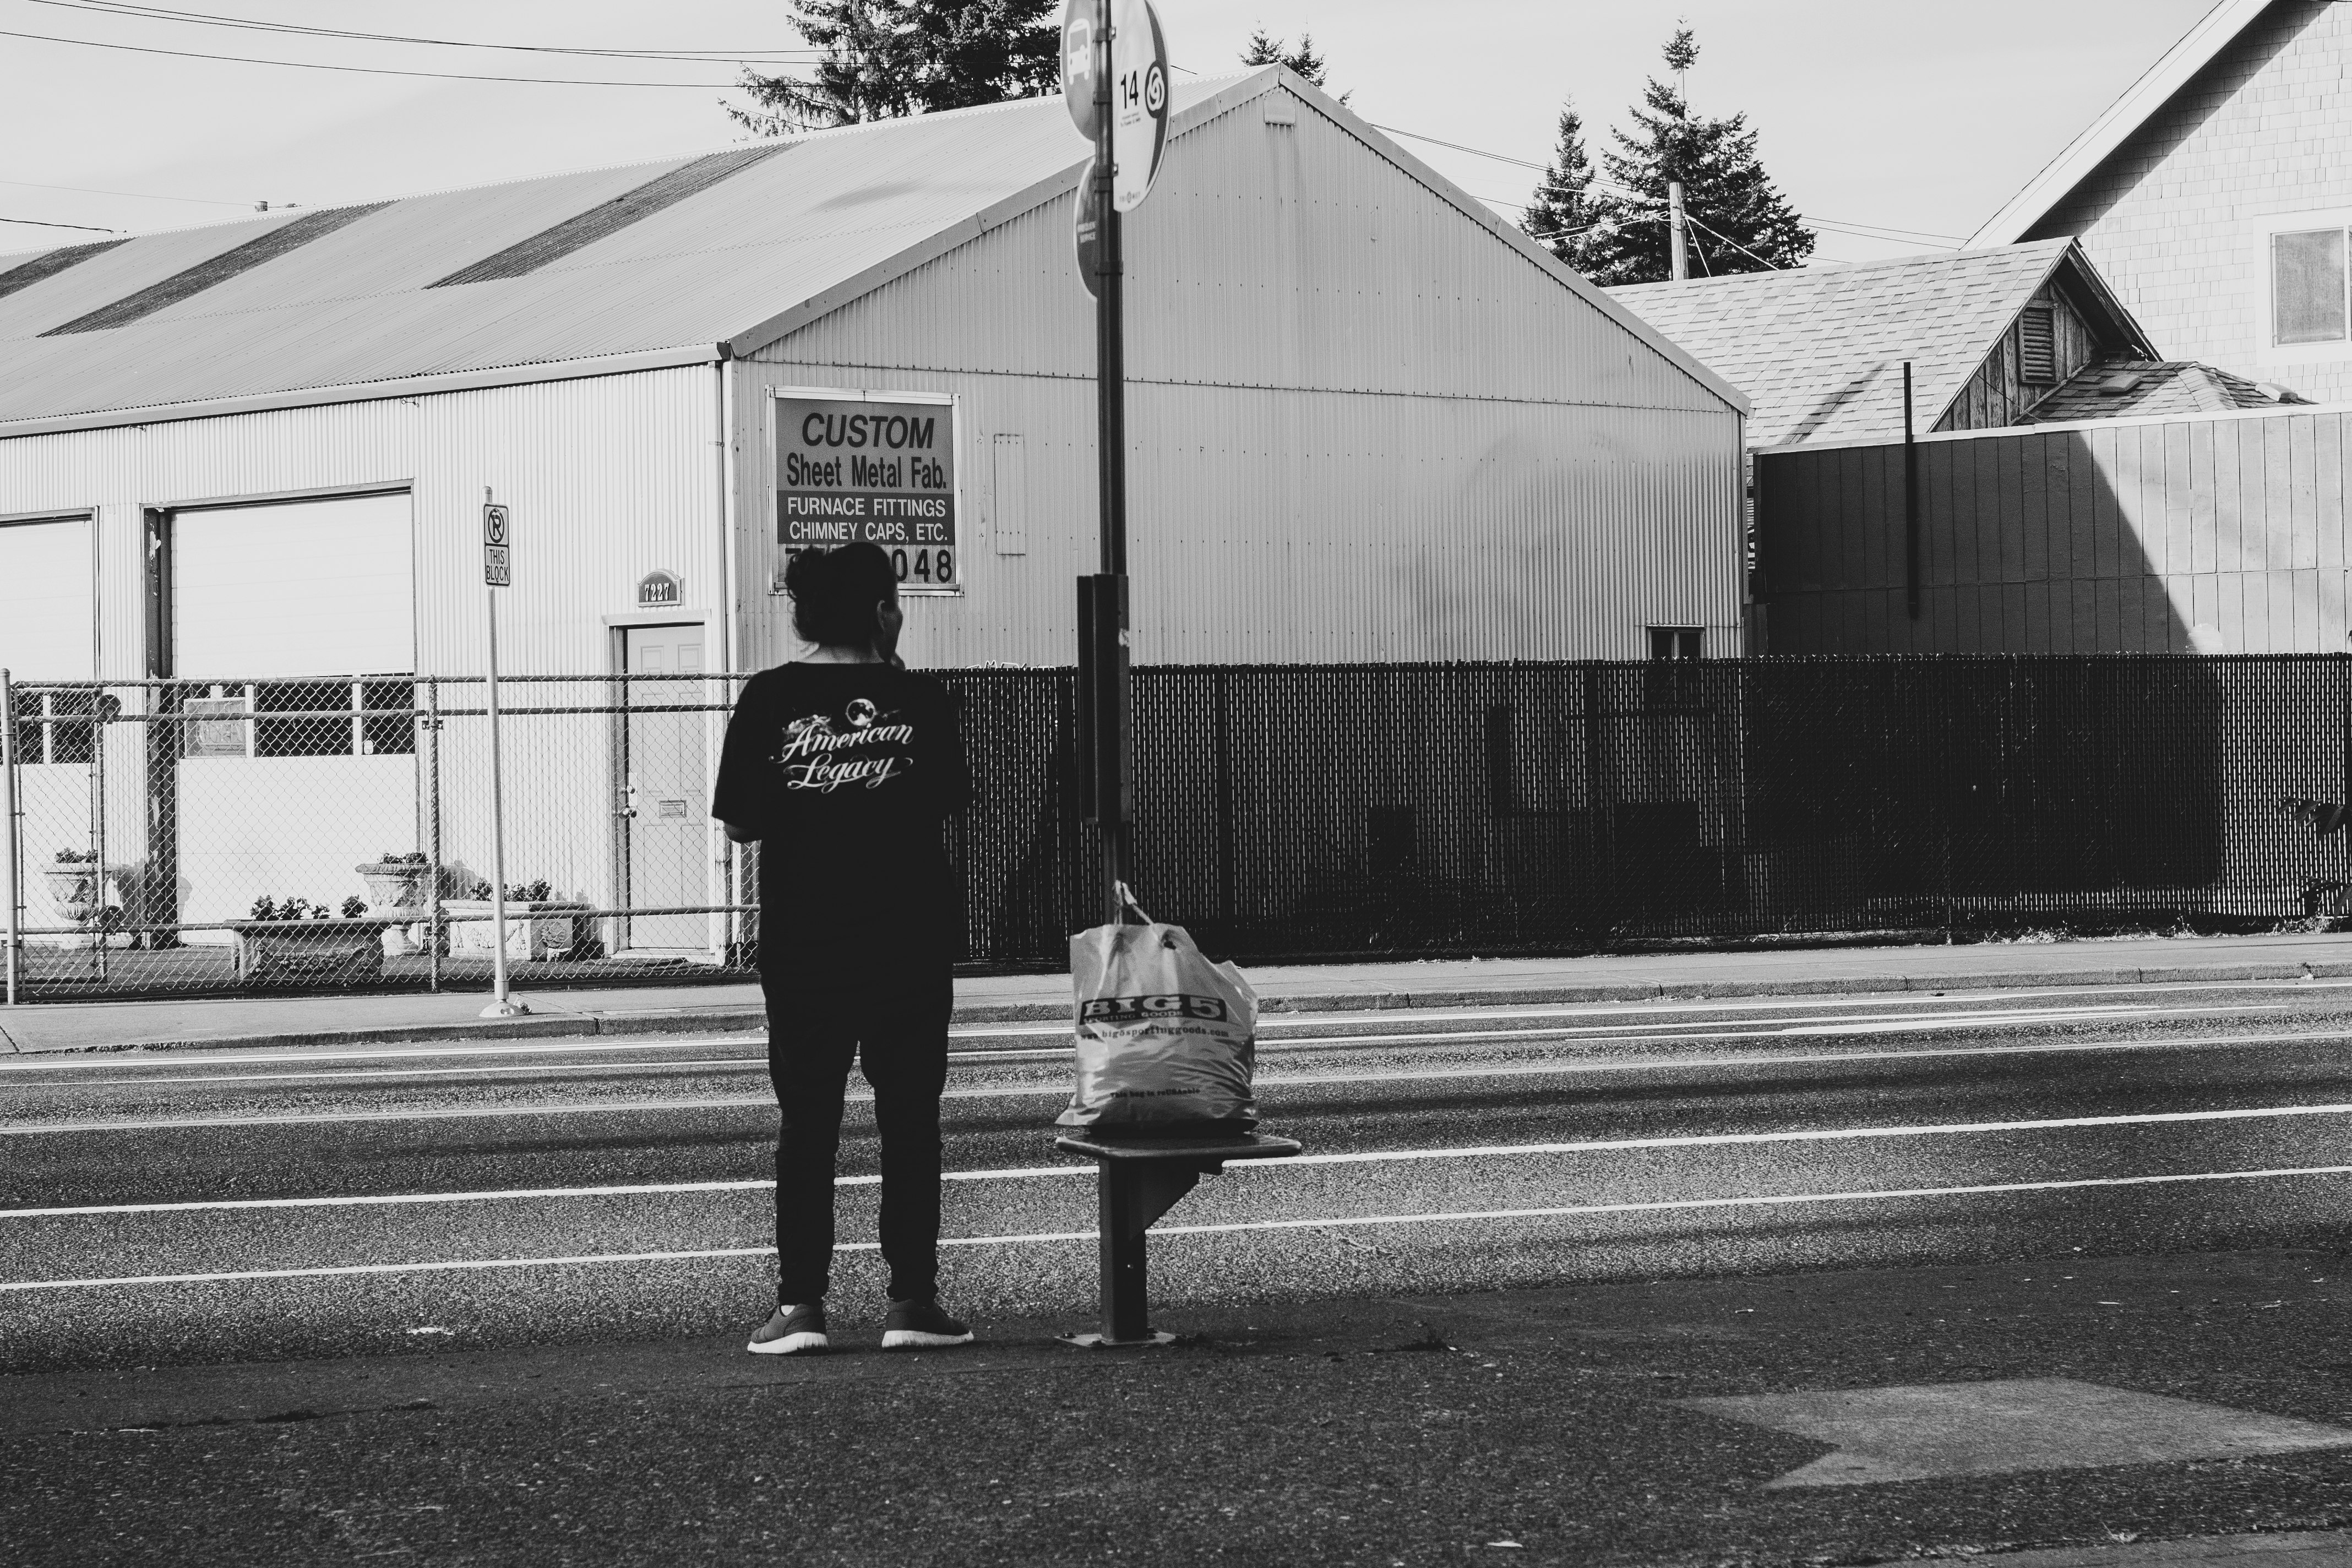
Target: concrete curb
{"x": 713, "y": 1021}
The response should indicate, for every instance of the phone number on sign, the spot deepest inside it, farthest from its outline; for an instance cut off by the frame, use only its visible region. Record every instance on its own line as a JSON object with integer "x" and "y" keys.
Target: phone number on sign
{"x": 918, "y": 567}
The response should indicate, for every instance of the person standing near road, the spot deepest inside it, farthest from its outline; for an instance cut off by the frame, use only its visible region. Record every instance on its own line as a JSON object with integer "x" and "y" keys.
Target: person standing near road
{"x": 844, "y": 766}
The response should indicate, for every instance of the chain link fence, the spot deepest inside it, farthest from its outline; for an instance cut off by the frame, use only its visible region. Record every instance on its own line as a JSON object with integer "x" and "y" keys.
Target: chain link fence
{"x": 181, "y": 837}
{"x": 175, "y": 837}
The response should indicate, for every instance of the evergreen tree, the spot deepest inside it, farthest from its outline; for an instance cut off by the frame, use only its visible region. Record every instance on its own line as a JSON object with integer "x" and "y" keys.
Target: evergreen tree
{"x": 884, "y": 58}
{"x": 1265, "y": 49}
{"x": 1741, "y": 223}
{"x": 1562, "y": 209}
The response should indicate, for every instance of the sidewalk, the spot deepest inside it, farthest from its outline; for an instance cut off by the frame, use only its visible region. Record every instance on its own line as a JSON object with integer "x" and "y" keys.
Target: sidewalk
{"x": 287, "y": 1021}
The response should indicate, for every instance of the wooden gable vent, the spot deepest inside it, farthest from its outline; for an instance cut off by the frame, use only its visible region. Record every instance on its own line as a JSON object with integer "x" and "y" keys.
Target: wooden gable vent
{"x": 2037, "y": 347}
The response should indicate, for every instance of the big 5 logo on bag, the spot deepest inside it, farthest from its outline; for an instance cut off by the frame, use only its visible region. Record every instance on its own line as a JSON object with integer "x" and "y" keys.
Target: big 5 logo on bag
{"x": 1135, "y": 1009}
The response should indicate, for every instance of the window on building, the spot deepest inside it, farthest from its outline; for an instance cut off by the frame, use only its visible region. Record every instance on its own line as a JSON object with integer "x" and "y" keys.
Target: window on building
{"x": 311, "y": 719}
{"x": 59, "y": 725}
{"x": 1675, "y": 642}
{"x": 2037, "y": 346}
{"x": 2309, "y": 299}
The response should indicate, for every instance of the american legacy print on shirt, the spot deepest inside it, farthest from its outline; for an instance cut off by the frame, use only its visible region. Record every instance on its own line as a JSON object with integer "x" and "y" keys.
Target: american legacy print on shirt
{"x": 816, "y": 755}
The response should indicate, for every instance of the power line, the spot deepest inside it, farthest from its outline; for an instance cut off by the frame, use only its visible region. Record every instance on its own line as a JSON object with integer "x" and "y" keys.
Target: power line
{"x": 361, "y": 70}
{"x": 136, "y": 196}
{"x": 1856, "y": 229}
{"x": 213, "y": 19}
{"x": 36, "y": 223}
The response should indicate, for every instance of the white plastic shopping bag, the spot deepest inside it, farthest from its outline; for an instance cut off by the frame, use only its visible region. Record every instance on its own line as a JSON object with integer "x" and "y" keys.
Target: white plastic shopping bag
{"x": 1164, "y": 1036}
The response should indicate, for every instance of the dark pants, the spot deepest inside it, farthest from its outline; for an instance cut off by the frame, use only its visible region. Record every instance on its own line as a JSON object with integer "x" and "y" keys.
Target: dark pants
{"x": 897, "y": 1028}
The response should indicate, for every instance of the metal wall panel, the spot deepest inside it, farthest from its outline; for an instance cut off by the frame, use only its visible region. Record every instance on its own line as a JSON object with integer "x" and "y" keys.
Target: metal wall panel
{"x": 1362, "y": 428}
{"x": 608, "y": 477}
{"x": 2205, "y": 533}
{"x": 1272, "y": 255}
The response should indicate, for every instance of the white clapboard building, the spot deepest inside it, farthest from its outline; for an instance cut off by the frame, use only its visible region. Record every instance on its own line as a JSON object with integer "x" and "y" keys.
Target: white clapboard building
{"x": 1367, "y": 421}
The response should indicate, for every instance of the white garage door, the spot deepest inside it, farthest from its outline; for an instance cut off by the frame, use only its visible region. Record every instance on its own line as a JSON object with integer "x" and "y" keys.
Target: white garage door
{"x": 48, "y": 611}
{"x": 302, "y": 610}
{"x": 320, "y": 587}
{"x": 48, "y": 632}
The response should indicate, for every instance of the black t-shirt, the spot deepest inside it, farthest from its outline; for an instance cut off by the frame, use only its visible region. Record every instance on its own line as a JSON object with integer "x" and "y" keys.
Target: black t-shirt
{"x": 846, "y": 774}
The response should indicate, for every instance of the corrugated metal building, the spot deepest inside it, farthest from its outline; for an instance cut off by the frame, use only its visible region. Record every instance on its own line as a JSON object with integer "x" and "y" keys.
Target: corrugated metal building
{"x": 1368, "y": 421}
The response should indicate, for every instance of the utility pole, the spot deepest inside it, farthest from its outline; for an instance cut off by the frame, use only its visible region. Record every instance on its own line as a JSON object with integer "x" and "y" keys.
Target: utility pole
{"x": 1910, "y": 501}
{"x": 1677, "y": 233}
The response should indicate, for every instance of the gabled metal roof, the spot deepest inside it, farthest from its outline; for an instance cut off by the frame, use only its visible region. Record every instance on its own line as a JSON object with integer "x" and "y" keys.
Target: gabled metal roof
{"x": 356, "y": 305}
{"x": 1819, "y": 351}
{"x": 717, "y": 267}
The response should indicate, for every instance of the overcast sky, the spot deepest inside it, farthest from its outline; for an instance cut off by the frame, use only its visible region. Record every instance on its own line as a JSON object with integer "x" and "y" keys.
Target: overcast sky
{"x": 1911, "y": 114}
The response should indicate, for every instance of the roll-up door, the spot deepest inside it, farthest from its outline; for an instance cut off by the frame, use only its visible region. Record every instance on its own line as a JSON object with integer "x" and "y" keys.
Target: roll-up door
{"x": 48, "y": 634}
{"x": 293, "y": 623}
{"x": 301, "y": 588}
{"x": 48, "y": 610}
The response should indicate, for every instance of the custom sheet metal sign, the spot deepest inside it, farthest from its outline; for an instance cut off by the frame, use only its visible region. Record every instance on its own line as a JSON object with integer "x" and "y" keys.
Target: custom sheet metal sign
{"x": 879, "y": 469}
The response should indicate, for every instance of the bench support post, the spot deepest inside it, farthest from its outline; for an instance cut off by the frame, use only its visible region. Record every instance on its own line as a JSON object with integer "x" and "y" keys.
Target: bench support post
{"x": 1135, "y": 1184}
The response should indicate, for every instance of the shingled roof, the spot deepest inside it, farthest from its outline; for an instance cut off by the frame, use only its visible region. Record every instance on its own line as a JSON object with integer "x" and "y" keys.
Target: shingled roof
{"x": 1819, "y": 351}
{"x": 2117, "y": 389}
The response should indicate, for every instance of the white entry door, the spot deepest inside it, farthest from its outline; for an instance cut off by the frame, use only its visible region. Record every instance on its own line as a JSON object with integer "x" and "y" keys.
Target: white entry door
{"x": 665, "y": 820}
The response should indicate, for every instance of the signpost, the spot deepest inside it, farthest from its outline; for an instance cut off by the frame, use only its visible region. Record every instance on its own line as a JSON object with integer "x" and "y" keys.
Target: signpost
{"x": 497, "y": 573}
{"x": 1115, "y": 73}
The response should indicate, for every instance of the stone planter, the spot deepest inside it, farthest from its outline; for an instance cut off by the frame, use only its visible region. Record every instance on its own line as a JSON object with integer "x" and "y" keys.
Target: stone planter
{"x": 77, "y": 892}
{"x": 326, "y": 953}
{"x": 550, "y": 929}
{"x": 395, "y": 891}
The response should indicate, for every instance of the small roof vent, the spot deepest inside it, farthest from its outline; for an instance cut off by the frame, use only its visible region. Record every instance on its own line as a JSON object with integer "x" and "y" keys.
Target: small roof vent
{"x": 2120, "y": 384}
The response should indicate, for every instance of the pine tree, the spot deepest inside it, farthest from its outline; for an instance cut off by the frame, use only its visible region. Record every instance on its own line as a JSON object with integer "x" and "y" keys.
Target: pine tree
{"x": 1562, "y": 209}
{"x": 1265, "y": 49}
{"x": 884, "y": 58}
{"x": 1740, "y": 222}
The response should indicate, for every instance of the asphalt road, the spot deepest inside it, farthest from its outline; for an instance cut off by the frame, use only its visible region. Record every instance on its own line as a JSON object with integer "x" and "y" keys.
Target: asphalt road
{"x": 593, "y": 1216}
{"x": 254, "y": 1206}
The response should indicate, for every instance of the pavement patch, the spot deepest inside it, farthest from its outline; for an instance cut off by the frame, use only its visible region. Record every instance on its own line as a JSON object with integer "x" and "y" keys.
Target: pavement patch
{"x": 1923, "y": 1431}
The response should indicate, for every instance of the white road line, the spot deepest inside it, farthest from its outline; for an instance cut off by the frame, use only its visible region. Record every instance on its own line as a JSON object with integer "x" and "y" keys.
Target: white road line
{"x": 1371, "y": 1157}
{"x": 1547, "y": 1068}
{"x": 1285, "y": 1048}
{"x": 66, "y": 1062}
{"x": 1322, "y": 1223}
{"x": 346, "y": 1075}
{"x": 396, "y": 1200}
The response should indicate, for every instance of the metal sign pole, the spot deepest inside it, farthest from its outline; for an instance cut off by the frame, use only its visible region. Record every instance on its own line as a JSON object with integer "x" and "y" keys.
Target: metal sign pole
{"x": 13, "y": 846}
{"x": 496, "y": 574}
{"x": 1111, "y": 598}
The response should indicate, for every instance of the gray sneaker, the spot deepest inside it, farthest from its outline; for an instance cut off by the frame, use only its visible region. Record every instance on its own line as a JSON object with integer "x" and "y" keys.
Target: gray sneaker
{"x": 794, "y": 1330}
{"x": 920, "y": 1325}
